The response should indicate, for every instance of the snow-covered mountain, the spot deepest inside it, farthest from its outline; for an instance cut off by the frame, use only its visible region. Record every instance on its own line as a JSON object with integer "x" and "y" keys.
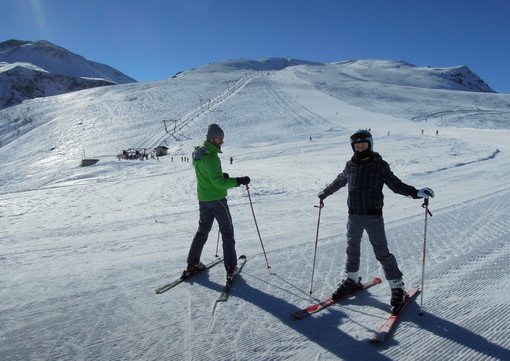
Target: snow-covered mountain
{"x": 33, "y": 69}
{"x": 83, "y": 248}
{"x": 402, "y": 73}
{"x": 385, "y": 72}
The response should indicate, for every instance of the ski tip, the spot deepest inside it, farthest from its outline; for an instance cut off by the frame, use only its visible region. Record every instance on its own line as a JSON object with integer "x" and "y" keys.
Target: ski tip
{"x": 413, "y": 291}
{"x": 377, "y": 280}
{"x": 296, "y": 316}
{"x": 242, "y": 257}
{"x": 376, "y": 341}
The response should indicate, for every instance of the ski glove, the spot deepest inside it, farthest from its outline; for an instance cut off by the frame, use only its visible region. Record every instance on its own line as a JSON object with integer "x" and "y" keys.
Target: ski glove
{"x": 243, "y": 180}
{"x": 425, "y": 193}
{"x": 322, "y": 195}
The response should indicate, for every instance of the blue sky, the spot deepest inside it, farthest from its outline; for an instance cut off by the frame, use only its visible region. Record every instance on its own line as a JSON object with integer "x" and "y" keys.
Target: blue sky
{"x": 154, "y": 39}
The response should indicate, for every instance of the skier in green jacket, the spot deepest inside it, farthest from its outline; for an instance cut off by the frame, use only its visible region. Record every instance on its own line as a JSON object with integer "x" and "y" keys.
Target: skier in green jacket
{"x": 212, "y": 186}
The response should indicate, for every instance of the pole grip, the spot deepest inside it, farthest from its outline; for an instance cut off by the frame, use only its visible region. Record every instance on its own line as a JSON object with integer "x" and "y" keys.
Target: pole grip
{"x": 426, "y": 206}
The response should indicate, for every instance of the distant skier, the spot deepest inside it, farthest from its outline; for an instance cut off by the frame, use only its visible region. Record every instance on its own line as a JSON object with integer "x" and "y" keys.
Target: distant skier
{"x": 366, "y": 174}
{"x": 212, "y": 185}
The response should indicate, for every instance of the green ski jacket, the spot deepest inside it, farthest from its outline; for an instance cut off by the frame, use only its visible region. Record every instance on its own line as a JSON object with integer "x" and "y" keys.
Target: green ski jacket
{"x": 211, "y": 183}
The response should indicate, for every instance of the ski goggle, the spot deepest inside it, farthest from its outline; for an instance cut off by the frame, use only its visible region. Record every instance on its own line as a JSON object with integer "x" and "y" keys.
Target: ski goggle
{"x": 356, "y": 137}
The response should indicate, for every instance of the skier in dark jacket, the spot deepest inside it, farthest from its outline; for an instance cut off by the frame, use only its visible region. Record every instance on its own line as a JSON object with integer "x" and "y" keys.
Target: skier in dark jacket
{"x": 365, "y": 175}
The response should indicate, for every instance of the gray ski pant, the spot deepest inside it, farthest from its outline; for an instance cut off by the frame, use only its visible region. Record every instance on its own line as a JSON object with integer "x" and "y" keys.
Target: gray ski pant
{"x": 374, "y": 225}
{"x": 209, "y": 211}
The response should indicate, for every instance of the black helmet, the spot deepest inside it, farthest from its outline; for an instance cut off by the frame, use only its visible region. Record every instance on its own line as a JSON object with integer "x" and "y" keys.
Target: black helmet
{"x": 362, "y": 135}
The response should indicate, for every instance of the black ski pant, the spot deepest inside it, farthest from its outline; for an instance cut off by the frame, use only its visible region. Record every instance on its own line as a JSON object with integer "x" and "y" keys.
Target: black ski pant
{"x": 209, "y": 211}
{"x": 374, "y": 225}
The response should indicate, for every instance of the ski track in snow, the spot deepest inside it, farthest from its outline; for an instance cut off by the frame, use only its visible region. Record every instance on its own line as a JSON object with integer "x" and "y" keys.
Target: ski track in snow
{"x": 206, "y": 106}
{"x": 83, "y": 249}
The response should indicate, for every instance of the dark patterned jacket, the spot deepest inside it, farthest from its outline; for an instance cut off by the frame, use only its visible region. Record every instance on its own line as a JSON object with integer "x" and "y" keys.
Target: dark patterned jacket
{"x": 365, "y": 180}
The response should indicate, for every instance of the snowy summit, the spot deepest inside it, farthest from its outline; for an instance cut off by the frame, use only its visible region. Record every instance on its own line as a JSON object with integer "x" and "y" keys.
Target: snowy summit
{"x": 33, "y": 69}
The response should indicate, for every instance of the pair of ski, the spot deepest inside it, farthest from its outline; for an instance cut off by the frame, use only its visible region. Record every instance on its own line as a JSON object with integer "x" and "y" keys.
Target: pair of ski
{"x": 224, "y": 294}
{"x": 386, "y": 328}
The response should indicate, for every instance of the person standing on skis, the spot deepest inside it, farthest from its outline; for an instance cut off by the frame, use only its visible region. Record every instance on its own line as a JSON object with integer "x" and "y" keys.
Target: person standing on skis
{"x": 212, "y": 186}
{"x": 365, "y": 175}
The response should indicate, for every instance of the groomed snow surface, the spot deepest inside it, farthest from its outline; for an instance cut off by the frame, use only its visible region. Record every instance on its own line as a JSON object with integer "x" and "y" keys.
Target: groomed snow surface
{"x": 83, "y": 248}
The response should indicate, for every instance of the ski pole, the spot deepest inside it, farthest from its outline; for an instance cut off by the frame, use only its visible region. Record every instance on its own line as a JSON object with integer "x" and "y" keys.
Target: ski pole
{"x": 316, "y": 242}
{"x": 256, "y": 226}
{"x": 427, "y": 213}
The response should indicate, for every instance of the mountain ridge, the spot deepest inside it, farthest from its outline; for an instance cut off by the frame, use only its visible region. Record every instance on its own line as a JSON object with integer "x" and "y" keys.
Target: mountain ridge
{"x": 33, "y": 69}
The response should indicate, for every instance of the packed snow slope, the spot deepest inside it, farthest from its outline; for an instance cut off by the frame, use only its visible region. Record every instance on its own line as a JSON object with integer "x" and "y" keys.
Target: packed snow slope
{"x": 83, "y": 248}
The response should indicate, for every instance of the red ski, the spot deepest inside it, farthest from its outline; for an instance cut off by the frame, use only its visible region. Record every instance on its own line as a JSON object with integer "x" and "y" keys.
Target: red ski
{"x": 300, "y": 314}
{"x": 390, "y": 323}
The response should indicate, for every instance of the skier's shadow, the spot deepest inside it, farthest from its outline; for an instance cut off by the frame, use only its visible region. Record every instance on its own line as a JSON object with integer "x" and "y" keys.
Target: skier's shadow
{"x": 449, "y": 331}
{"x": 462, "y": 336}
{"x": 322, "y": 329}
{"x": 203, "y": 280}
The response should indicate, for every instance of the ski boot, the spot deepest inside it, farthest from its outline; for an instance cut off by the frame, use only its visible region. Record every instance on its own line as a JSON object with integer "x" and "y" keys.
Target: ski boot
{"x": 193, "y": 269}
{"x": 345, "y": 287}
{"x": 398, "y": 298}
{"x": 231, "y": 272}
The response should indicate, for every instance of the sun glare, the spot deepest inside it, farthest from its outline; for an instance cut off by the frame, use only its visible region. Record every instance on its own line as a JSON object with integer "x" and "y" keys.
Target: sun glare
{"x": 40, "y": 18}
